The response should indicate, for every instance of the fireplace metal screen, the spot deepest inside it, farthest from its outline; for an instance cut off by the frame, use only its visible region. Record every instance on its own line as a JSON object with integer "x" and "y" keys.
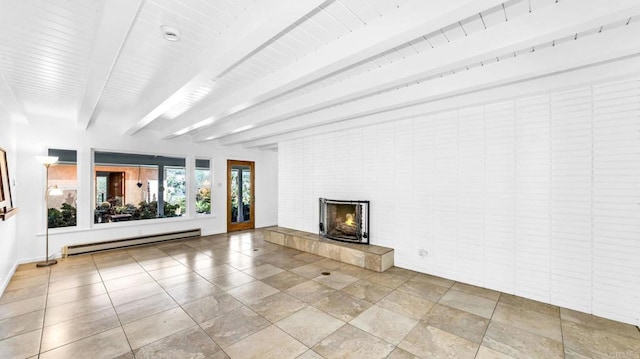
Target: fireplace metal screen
{"x": 346, "y": 221}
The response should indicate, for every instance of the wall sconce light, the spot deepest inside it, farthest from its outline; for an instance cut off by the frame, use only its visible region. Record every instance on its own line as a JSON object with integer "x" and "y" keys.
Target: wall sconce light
{"x": 49, "y": 191}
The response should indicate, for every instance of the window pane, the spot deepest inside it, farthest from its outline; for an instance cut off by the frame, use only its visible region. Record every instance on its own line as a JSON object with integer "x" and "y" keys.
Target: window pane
{"x": 62, "y": 209}
{"x": 175, "y": 191}
{"x": 234, "y": 195}
{"x": 203, "y": 186}
{"x": 246, "y": 194}
{"x": 127, "y": 186}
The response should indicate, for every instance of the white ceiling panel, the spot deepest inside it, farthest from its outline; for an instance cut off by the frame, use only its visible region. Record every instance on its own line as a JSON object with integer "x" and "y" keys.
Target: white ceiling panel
{"x": 436, "y": 39}
{"x": 312, "y": 67}
{"x": 472, "y": 24}
{"x": 330, "y": 24}
{"x": 147, "y": 60}
{"x": 407, "y": 50}
{"x": 453, "y": 32}
{"x": 362, "y": 9}
{"x": 421, "y": 45}
{"x": 312, "y": 27}
{"x": 343, "y": 15}
{"x": 45, "y": 52}
{"x": 300, "y": 43}
{"x": 517, "y": 8}
{"x": 494, "y": 16}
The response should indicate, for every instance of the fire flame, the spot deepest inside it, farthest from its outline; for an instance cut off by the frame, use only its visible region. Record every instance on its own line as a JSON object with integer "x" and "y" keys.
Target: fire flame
{"x": 350, "y": 221}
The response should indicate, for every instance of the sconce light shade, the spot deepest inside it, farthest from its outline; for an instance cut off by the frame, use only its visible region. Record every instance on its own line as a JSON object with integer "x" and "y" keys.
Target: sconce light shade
{"x": 47, "y": 160}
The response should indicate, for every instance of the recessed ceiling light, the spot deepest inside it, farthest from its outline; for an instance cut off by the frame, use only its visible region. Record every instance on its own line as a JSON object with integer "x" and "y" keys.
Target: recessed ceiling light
{"x": 170, "y": 33}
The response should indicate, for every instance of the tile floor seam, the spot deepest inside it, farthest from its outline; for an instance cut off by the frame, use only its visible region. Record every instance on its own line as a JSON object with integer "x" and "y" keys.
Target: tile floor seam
{"x": 43, "y": 326}
{"x": 112, "y": 306}
{"x": 165, "y": 291}
{"x": 210, "y": 337}
{"x": 308, "y": 347}
{"x": 230, "y": 247}
{"x": 564, "y": 351}
{"x": 484, "y": 334}
{"x": 44, "y": 315}
{"x": 374, "y": 335}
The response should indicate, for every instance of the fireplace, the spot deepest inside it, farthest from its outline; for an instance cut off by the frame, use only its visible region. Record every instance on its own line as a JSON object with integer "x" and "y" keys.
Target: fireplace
{"x": 346, "y": 221}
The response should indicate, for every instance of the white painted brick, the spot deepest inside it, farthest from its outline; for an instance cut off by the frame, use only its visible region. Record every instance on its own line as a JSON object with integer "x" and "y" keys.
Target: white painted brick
{"x": 536, "y": 196}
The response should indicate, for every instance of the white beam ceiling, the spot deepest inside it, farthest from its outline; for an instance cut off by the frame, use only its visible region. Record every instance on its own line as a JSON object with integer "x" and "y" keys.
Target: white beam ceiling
{"x": 550, "y": 60}
{"x": 605, "y": 71}
{"x": 525, "y": 32}
{"x": 257, "y": 72}
{"x": 255, "y": 28}
{"x": 405, "y": 24}
{"x": 116, "y": 21}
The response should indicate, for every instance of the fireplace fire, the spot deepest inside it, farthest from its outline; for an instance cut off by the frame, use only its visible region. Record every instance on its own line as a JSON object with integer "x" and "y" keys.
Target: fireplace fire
{"x": 346, "y": 221}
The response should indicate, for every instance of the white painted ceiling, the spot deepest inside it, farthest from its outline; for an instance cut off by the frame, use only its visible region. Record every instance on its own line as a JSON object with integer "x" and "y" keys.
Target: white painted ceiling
{"x": 256, "y": 72}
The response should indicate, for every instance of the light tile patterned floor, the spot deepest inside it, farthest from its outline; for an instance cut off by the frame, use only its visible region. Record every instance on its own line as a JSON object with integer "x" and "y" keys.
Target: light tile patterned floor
{"x": 237, "y": 296}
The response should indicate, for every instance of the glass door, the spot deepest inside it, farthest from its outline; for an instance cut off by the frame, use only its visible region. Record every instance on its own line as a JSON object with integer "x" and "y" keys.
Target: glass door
{"x": 240, "y": 195}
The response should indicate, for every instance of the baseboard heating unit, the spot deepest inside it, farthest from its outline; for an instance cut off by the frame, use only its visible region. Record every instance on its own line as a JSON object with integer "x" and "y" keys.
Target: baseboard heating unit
{"x": 76, "y": 249}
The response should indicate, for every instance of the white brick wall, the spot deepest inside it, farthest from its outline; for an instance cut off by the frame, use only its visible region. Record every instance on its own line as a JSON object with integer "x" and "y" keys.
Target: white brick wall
{"x": 538, "y": 196}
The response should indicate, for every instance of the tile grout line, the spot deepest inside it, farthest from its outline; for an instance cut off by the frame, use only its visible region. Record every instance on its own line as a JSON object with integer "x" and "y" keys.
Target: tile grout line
{"x": 44, "y": 314}
{"x": 111, "y": 301}
{"x": 166, "y": 254}
{"x": 77, "y": 340}
{"x": 564, "y": 352}
{"x": 174, "y": 299}
{"x": 208, "y": 281}
{"x": 92, "y": 262}
{"x": 488, "y": 324}
{"x": 251, "y": 309}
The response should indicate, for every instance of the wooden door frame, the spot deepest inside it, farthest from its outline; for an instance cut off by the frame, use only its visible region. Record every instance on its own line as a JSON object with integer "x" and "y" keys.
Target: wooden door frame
{"x": 231, "y": 227}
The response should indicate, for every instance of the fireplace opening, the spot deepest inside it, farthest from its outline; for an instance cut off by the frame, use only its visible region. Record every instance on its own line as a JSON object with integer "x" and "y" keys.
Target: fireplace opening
{"x": 346, "y": 221}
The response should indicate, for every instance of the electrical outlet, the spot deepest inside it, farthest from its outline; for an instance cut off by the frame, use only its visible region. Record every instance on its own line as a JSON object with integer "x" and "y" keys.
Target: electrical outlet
{"x": 422, "y": 253}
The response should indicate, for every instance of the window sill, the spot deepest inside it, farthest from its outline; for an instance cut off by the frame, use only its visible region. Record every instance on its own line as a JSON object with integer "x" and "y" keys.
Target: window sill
{"x": 107, "y": 226}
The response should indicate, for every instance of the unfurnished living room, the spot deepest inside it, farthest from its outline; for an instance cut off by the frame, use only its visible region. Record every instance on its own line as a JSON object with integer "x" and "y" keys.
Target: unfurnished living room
{"x": 320, "y": 179}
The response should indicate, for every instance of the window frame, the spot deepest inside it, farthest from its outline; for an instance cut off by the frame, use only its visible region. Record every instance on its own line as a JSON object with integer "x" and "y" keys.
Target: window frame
{"x": 168, "y": 158}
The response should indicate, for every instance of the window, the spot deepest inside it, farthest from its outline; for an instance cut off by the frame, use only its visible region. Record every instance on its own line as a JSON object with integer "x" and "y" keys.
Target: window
{"x": 135, "y": 187}
{"x": 203, "y": 186}
{"x": 62, "y": 210}
{"x": 175, "y": 191}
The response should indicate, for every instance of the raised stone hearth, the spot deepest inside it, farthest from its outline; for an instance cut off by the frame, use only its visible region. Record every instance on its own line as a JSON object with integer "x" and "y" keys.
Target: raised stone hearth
{"x": 371, "y": 257}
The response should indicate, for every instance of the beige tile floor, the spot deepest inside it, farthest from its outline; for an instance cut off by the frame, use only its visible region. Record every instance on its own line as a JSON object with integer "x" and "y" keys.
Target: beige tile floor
{"x": 237, "y": 296}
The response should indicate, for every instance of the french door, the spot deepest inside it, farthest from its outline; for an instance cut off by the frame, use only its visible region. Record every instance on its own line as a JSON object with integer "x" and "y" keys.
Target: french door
{"x": 240, "y": 195}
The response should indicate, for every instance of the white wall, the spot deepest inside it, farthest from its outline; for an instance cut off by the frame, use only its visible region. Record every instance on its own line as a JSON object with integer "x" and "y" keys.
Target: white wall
{"x": 536, "y": 196}
{"x": 38, "y": 135}
{"x": 8, "y": 228}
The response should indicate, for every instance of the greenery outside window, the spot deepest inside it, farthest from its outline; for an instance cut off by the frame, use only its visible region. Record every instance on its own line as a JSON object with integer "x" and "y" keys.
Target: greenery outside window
{"x": 175, "y": 189}
{"x": 203, "y": 186}
{"x": 132, "y": 186}
{"x": 62, "y": 210}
